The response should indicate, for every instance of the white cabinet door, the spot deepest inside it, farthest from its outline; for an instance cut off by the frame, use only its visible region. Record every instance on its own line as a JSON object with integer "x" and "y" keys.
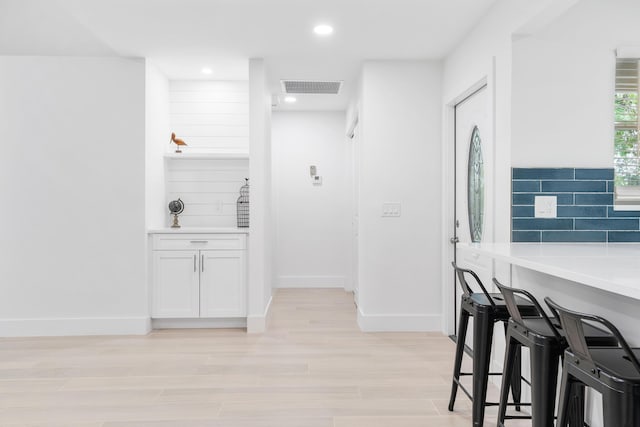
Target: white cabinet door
{"x": 175, "y": 284}
{"x": 222, "y": 284}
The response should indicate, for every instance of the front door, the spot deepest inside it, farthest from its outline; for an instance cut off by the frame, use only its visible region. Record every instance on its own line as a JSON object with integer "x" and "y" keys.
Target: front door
{"x": 473, "y": 177}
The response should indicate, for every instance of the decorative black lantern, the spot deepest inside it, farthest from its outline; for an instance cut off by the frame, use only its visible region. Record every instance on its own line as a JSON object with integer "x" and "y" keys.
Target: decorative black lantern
{"x": 242, "y": 205}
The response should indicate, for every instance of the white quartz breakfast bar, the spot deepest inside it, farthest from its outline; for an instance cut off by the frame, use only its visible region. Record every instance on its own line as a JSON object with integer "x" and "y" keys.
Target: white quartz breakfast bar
{"x": 599, "y": 278}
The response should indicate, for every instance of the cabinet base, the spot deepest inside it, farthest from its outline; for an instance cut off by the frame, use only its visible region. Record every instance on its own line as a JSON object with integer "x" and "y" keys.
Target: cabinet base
{"x": 239, "y": 322}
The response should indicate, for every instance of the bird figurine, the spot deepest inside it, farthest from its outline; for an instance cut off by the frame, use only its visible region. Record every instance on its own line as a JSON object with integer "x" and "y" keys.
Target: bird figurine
{"x": 177, "y": 141}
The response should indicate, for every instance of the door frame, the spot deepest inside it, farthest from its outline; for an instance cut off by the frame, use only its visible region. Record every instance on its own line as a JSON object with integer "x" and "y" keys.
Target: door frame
{"x": 353, "y": 138}
{"x": 449, "y": 201}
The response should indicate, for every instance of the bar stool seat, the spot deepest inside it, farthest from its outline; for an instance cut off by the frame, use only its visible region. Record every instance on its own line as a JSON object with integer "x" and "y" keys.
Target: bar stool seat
{"x": 544, "y": 338}
{"x": 614, "y": 371}
{"x": 616, "y": 362}
{"x": 486, "y": 309}
{"x": 595, "y": 336}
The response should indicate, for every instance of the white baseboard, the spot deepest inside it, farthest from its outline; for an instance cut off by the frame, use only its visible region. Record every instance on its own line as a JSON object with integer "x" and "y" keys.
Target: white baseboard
{"x": 310, "y": 282}
{"x": 258, "y": 324}
{"x": 196, "y": 323}
{"x": 399, "y": 322}
{"x": 74, "y": 327}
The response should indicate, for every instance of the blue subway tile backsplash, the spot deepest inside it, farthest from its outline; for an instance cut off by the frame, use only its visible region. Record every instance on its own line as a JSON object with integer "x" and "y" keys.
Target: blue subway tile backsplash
{"x": 526, "y": 186}
{"x": 602, "y": 199}
{"x": 598, "y": 174}
{"x": 585, "y": 207}
{"x": 607, "y": 224}
{"x": 574, "y": 236}
{"x": 525, "y": 236}
{"x": 574, "y": 186}
{"x": 582, "y": 211}
{"x": 624, "y": 236}
{"x": 543, "y": 173}
{"x": 542, "y": 224}
{"x": 522, "y": 212}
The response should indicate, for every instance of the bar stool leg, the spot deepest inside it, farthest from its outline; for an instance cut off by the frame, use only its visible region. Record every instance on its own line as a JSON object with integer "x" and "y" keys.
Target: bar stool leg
{"x": 566, "y": 384}
{"x": 576, "y": 405}
{"x": 516, "y": 378}
{"x": 544, "y": 373}
{"x": 615, "y": 409}
{"x": 516, "y": 374}
{"x": 462, "y": 336}
{"x": 507, "y": 374}
{"x": 482, "y": 338}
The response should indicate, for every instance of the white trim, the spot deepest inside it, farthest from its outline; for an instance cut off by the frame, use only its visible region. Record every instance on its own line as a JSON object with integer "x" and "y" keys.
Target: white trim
{"x": 399, "y": 322}
{"x": 310, "y": 282}
{"x": 630, "y": 52}
{"x": 197, "y": 323}
{"x": 74, "y": 327}
{"x": 258, "y": 324}
{"x": 209, "y": 155}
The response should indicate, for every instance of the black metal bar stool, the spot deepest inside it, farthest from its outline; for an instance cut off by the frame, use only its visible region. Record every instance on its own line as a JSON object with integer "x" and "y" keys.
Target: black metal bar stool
{"x": 544, "y": 338}
{"x": 612, "y": 371}
{"x": 486, "y": 309}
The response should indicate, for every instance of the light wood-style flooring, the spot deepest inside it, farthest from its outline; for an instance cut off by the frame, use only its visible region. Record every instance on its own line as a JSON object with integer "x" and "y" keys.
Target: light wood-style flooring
{"x": 312, "y": 368}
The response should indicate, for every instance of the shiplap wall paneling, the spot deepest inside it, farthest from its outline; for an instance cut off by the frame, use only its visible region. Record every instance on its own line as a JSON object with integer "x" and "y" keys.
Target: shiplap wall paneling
{"x": 209, "y": 189}
{"x": 211, "y": 116}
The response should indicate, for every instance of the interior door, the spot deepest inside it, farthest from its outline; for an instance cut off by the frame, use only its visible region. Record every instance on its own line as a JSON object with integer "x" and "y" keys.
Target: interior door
{"x": 355, "y": 220}
{"x": 473, "y": 182}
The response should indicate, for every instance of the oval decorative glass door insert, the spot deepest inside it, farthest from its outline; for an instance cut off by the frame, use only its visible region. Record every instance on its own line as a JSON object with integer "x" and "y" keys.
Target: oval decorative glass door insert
{"x": 475, "y": 187}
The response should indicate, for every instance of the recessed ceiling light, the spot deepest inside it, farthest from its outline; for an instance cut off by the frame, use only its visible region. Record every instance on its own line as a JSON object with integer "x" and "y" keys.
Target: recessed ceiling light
{"x": 323, "y": 30}
{"x": 206, "y": 70}
{"x": 290, "y": 99}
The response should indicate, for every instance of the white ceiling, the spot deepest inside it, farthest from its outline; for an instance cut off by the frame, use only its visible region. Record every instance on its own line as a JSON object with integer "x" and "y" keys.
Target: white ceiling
{"x": 182, "y": 36}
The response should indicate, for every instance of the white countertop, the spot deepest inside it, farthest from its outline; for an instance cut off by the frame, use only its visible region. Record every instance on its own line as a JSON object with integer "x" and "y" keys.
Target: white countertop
{"x": 199, "y": 230}
{"x": 613, "y": 267}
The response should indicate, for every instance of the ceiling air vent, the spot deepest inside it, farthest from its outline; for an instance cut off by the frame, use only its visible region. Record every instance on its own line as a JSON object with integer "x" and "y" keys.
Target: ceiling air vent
{"x": 312, "y": 87}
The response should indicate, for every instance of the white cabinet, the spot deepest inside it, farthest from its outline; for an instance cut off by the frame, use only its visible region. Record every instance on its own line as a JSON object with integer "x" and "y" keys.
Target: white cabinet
{"x": 199, "y": 276}
{"x": 221, "y": 272}
{"x": 176, "y": 286}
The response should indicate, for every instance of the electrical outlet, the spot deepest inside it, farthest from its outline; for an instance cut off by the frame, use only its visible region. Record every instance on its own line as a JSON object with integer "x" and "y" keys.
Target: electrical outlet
{"x": 546, "y": 207}
{"x": 391, "y": 209}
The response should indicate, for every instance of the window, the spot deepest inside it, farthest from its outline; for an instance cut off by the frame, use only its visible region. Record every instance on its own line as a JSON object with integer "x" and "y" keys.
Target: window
{"x": 626, "y": 145}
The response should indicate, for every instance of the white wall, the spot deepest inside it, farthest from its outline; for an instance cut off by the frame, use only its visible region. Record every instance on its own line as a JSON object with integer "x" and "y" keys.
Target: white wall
{"x": 260, "y": 208}
{"x": 210, "y": 116}
{"x": 157, "y": 128}
{"x": 72, "y": 249}
{"x": 400, "y": 162}
{"x": 313, "y": 244}
{"x": 563, "y": 85}
{"x": 209, "y": 189}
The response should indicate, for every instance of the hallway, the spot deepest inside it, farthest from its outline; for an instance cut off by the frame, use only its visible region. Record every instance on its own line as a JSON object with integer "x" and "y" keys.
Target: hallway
{"x": 312, "y": 368}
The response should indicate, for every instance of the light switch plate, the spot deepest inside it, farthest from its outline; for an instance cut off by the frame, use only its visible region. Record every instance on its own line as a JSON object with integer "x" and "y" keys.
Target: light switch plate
{"x": 546, "y": 207}
{"x": 391, "y": 209}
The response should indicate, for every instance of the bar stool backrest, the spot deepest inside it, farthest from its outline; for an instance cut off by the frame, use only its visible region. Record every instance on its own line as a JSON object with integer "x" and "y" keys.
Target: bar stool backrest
{"x": 509, "y": 295}
{"x": 572, "y": 322}
{"x": 466, "y": 289}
